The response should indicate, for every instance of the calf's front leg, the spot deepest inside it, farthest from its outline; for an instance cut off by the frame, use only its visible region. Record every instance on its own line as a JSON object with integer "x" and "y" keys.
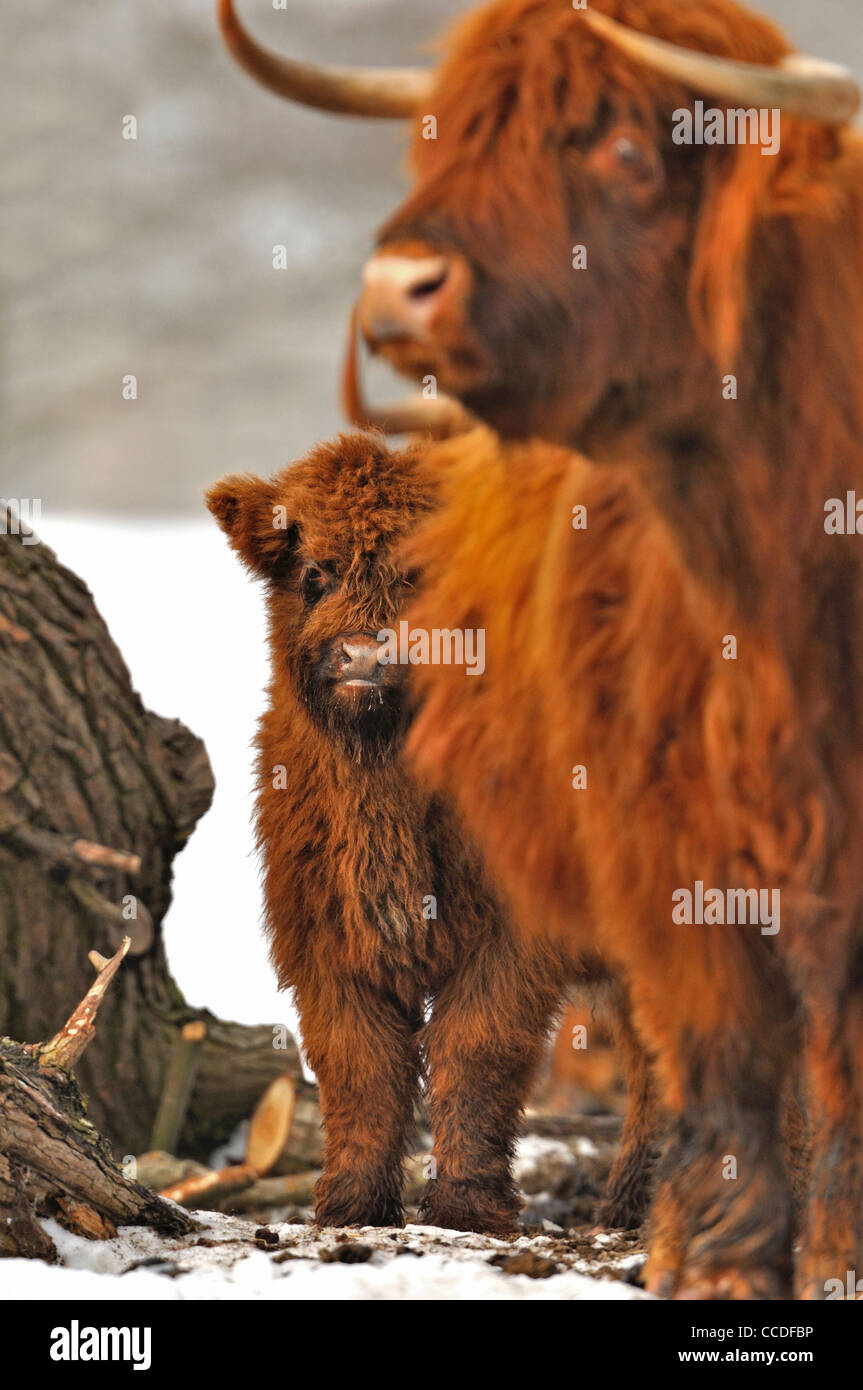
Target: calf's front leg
{"x": 362, "y": 1046}
{"x": 483, "y": 1047}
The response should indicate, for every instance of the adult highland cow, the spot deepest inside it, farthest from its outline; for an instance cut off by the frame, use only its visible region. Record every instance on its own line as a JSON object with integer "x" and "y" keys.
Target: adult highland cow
{"x": 612, "y": 732}
{"x": 375, "y": 901}
{"x": 693, "y": 316}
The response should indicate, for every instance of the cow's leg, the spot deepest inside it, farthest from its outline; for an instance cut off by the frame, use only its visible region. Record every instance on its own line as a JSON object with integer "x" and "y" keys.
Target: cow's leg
{"x": 826, "y": 959}
{"x": 717, "y": 1014}
{"x": 832, "y": 1249}
{"x": 630, "y": 1182}
{"x": 830, "y": 1264}
{"x": 363, "y": 1049}
{"x": 721, "y": 1221}
{"x": 484, "y": 1045}
{"x": 797, "y": 1136}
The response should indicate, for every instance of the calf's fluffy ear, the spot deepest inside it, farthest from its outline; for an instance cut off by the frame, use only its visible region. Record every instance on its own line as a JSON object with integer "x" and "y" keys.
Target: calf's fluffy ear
{"x": 247, "y": 510}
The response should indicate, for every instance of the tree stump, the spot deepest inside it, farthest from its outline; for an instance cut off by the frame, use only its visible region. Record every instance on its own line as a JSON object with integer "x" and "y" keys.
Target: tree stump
{"x": 97, "y": 796}
{"x": 53, "y": 1162}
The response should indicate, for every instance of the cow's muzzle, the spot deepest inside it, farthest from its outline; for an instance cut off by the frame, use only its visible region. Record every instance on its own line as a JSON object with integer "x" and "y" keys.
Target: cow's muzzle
{"x": 403, "y": 296}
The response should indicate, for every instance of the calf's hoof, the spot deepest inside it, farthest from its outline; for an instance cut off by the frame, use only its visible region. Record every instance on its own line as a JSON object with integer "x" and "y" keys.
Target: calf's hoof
{"x": 455, "y": 1205}
{"x": 345, "y": 1200}
{"x": 623, "y": 1211}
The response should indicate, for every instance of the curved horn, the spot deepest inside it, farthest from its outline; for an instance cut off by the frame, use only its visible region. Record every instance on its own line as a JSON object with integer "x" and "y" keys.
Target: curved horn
{"x": 440, "y": 417}
{"x": 802, "y": 86}
{"x": 383, "y": 92}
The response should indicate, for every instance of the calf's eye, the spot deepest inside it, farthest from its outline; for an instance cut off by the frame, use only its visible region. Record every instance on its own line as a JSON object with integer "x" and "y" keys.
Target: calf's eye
{"x": 313, "y": 585}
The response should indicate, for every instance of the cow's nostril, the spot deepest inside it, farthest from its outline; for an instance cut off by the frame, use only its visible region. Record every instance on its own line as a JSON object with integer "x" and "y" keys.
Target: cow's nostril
{"x": 426, "y": 288}
{"x": 401, "y": 296}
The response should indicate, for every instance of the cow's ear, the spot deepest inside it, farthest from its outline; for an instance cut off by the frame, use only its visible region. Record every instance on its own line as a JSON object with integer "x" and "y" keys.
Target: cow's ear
{"x": 255, "y": 522}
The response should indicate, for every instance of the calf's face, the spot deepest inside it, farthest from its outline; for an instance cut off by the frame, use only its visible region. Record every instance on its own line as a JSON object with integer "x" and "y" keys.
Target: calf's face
{"x": 327, "y": 617}
{"x": 323, "y": 535}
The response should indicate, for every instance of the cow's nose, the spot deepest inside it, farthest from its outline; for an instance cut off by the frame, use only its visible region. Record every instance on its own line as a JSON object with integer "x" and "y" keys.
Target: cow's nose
{"x": 359, "y": 660}
{"x": 400, "y": 295}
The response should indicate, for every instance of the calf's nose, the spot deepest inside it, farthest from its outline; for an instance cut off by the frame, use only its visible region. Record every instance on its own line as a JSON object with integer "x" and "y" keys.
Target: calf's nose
{"x": 400, "y": 295}
{"x": 360, "y": 660}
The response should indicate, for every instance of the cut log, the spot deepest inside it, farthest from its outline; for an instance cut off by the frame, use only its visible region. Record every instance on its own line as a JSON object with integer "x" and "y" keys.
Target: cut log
{"x": 296, "y": 1190}
{"x": 269, "y": 1130}
{"x": 97, "y": 796}
{"x": 52, "y": 1159}
{"x": 271, "y": 1124}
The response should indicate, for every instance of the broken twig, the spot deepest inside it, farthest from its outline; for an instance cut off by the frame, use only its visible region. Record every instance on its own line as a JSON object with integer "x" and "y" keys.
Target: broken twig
{"x": 66, "y": 1047}
{"x": 72, "y": 853}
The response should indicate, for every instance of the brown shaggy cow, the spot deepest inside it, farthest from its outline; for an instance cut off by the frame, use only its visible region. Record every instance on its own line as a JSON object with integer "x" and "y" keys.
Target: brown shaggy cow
{"x": 566, "y": 267}
{"x": 602, "y": 652}
{"x": 375, "y": 902}
{"x": 702, "y": 262}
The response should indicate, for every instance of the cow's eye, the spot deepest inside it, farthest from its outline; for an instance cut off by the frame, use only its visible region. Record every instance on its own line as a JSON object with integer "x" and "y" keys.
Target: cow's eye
{"x": 628, "y": 166}
{"x": 313, "y": 585}
{"x": 629, "y": 155}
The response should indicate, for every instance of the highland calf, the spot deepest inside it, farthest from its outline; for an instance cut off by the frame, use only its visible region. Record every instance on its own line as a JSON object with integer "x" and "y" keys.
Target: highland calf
{"x": 376, "y": 903}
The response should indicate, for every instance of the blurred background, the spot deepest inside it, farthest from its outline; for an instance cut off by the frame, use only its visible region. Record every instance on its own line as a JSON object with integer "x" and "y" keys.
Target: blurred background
{"x": 153, "y": 257}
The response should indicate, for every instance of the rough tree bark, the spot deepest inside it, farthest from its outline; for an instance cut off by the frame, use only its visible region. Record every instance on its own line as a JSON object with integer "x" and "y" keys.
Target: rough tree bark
{"x": 81, "y": 759}
{"x": 53, "y": 1162}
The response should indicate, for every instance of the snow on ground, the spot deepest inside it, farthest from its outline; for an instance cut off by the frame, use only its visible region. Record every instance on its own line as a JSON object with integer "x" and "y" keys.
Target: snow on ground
{"x": 536, "y": 1156}
{"x": 229, "y": 1259}
{"x": 281, "y": 1255}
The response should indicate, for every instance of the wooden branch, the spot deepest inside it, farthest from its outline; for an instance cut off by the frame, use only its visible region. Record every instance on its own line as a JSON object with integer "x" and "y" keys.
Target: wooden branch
{"x": 10, "y": 629}
{"x": 177, "y": 1089}
{"x": 71, "y": 853}
{"x": 139, "y": 928}
{"x": 83, "y": 1219}
{"x": 210, "y": 1188}
{"x": 45, "y": 1132}
{"x": 101, "y": 855}
{"x": 66, "y": 1047}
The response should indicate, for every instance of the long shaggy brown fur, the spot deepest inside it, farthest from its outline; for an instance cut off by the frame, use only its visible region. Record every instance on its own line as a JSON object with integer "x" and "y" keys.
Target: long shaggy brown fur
{"x": 701, "y": 261}
{"x": 376, "y": 902}
{"x": 603, "y": 652}
{"x": 530, "y": 106}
